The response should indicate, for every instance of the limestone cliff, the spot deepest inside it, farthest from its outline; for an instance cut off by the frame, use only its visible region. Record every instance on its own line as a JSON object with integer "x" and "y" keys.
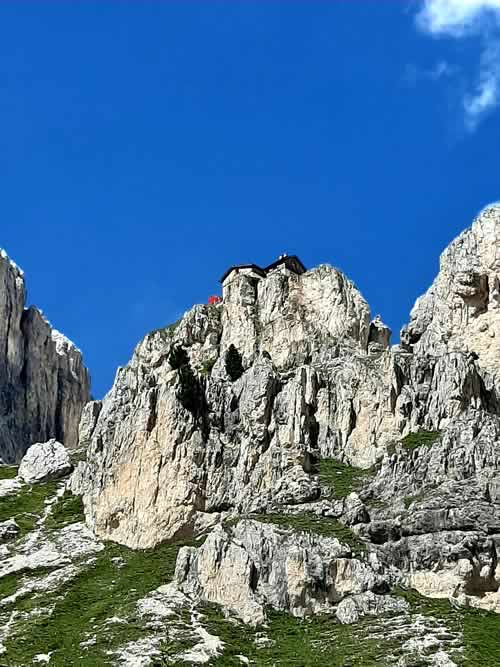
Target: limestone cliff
{"x": 43, "y": 382}
{"x": 461, "y": 309}
{"x": 319, "y": 381}
{"x": 155, "y": 469}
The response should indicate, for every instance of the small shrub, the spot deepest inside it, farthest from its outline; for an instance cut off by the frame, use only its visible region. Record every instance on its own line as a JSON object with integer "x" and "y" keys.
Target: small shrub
{"x": 166, "y": 332}
{"x": 178, "y": 357}
{"x": 234, "y": 365}
{"x": 206, "y": 369}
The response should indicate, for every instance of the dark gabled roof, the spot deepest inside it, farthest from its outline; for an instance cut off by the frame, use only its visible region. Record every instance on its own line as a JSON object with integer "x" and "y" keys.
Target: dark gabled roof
{"x": 291, "y": 261}
{"x": 256, "y": 268}
{"x": 287, "y": 259}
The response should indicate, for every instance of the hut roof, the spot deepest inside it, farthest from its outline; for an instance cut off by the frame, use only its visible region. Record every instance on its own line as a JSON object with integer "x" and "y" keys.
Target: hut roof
{"x": 292, "y": 262}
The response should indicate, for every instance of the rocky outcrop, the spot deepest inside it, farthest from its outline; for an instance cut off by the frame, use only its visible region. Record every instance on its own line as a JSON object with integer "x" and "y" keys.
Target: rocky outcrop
{"x": 43, "y": 382}
{"x": 461, "y": 310}
{"x": 155, "y": 469}
{"x": 253, "y": 565}
{"x": 354, "y": 607}
{"x": 379, "y": 336}
{"x": 45, "y": 462}
{"x": 297, "y": 319}
{"x": 437, "y": 516}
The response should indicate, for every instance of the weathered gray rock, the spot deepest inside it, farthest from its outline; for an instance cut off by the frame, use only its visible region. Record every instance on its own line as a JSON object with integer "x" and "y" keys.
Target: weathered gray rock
{"x": 88, "y": 422}
{"x": 8, "y": 530}
{"x": 154, "y": 470}
{"x": 43, "y": 382}
{"x": 379, "y": 336}
{"x": 461, "y": 310}
{"x": 45, "y": 462}
{"x": 295, "y": 318}
{"x": 354, "y": 607}
{"x": 439, "y": 519}
{"x": 253, "y": 565}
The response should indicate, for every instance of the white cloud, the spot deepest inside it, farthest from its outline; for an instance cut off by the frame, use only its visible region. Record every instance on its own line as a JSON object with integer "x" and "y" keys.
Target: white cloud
{"x": 487, "y": 94}
{"x": 457, "y": 17}
{"x": 462, "y": 18}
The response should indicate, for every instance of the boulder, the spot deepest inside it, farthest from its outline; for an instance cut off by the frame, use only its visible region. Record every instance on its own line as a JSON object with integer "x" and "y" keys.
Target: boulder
{"x": 45, "y": 462}
{"x": 352, "y": 608}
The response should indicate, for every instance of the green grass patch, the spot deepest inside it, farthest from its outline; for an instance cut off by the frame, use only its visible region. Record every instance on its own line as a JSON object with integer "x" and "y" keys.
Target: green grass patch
{"x": 10, "y": 583}
{"x": 482, "y": 638}
{"x": 111, "y": 586}
{"x": 310, "y": 523}
{"x": 67, "y": 510}
{"x": 8, "y": 472}
{"x": 26, "y": 505}
{"x": 342, "y": 478}
{"x": 421, "y": 438}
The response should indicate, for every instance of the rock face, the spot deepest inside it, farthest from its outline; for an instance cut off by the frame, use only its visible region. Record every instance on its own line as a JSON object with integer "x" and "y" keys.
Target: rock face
{"x": 43, "y": 382}
{"x": 461, "y": 310}
{"x": 155, "y": 469}
{"x": 253, "y": 565}
{"x": 320, "y": 381}
{"x": 438, "y": 518}
{"x": 45, "y": 462}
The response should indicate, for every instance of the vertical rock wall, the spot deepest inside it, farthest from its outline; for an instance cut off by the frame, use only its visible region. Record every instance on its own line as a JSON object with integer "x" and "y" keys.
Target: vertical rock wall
{"x": 43, "y": 382}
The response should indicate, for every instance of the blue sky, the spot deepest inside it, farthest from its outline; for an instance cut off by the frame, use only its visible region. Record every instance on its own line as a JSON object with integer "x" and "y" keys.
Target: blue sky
{"x": 146, "y": 146}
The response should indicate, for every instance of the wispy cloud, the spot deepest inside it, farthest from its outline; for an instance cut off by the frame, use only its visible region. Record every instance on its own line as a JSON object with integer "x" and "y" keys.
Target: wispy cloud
{"x": 441, "y": 70}
{"x": 463, "y": 18}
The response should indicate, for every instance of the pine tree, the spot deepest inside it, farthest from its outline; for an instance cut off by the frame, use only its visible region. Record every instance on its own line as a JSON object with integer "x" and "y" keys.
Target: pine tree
{"x": 233, "y": 362}
{"x": 190, "y": 390}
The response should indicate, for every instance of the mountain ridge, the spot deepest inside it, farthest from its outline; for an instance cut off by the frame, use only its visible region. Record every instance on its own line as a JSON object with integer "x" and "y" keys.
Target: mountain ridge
{"x": 300, "y": 472}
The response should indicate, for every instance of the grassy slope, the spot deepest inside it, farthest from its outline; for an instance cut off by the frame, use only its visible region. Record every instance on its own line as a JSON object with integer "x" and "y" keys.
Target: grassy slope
{"x": 27, "y": 504}
{"x": 315, "y": 642}
{"x": 481, "y": 629}
{"x": 8, "y": 472}
{"x": 119, "y": 577}
{"x": 109, "y": 588}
